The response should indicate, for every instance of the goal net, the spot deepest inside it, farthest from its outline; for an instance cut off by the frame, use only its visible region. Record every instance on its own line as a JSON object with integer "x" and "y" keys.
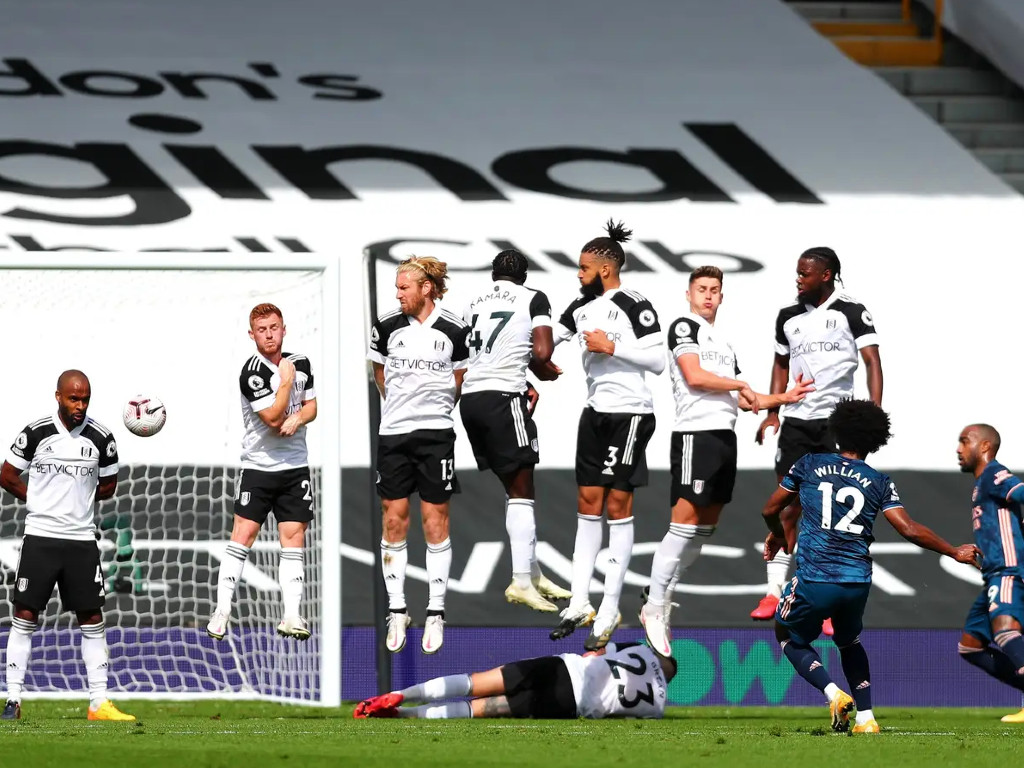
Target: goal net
{"x": 177, "y": 329}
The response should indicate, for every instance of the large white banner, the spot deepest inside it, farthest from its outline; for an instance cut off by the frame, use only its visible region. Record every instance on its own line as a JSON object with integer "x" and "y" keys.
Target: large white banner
{"x": 457, "y": 128}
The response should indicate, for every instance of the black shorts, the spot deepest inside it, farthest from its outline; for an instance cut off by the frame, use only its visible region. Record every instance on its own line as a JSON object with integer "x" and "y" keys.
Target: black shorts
{"x": 703, "y": 466}
{"x": 611, "y": 449}
{"x": 288, "y": 494}
{"x": 539, "y": 688}
{"x": 797, "y": 438}
{"x": 72, "y": 566}
{"x": 501, "y": 430}
{"x": 422, "y": 461}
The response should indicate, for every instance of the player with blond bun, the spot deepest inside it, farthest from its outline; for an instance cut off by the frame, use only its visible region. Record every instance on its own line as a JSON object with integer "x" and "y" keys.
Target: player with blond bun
{"x": 419, "y": 353}
{"x": 278, "y": 401}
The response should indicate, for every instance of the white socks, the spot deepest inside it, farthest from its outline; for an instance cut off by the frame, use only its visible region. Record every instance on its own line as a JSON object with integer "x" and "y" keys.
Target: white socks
{"x": 228, "y": 575}
{"x": 778, "y": 573}
{"x": 620, "y": 550}
{"x": 95, "y": 656}
{"x": 864, "y": 717}
{"x": 589, "y": 535}
{"x": 831, "y": 691}
{"x": 522, "y": 538}
{"x": 291, "y": 576}
{"x": 439, "y": 565}
{"x": 19, "y": 649}
{"x": 450, "y": 711}
{"x": 439, "y": 688}
{"x": 677, "y": 551}
{"x": 394, "y": 557}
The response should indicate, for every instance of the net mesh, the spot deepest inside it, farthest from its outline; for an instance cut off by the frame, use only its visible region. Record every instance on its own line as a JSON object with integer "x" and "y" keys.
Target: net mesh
{"x": 182, "y": 336}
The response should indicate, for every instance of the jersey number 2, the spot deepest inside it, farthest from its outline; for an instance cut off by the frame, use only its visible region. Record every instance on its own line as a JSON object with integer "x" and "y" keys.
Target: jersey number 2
{"x": 846, "y": 524}
{"x": 476, "y": 340}
{"x": 638, "y": 669}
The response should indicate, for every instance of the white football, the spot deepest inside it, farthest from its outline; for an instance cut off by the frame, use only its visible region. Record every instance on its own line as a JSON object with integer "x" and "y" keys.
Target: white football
{"x": 144, "y": 415}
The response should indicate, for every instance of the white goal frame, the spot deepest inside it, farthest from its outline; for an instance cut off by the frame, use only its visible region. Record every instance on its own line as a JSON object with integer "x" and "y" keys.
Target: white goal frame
{"x": 328, "y": 422}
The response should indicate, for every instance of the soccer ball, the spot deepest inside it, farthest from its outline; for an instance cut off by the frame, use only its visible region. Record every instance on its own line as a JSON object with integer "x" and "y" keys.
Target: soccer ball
{"x": 144, "y": 415}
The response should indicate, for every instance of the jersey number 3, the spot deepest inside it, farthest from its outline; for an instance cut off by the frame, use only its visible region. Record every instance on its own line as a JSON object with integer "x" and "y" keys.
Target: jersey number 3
{"x": 476, "y": 341}
{"x": 845, "y": 524}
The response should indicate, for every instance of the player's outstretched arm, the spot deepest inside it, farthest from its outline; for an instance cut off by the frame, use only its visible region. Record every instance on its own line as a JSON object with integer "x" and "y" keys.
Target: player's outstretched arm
{"x": 873, "y": 368}
{"x": 699, "y": 378}
{"x": 926, "y": 538}
{"x": 793, "y": 395}
{"x": 780, "y": 377}
{"x": 12, "y": 482}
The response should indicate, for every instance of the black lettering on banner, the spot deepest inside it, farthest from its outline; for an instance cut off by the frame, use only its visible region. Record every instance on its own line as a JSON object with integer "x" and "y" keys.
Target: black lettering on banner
{"x": 638, "y": 669}
{"x": 340, "y": 88}
{"x": 126, "y": 175}
{"x": 750, "y": 160}
{"x": 680, "y": 179}
{"x": 309, "y": 169}
{"x": 690, "y": 260}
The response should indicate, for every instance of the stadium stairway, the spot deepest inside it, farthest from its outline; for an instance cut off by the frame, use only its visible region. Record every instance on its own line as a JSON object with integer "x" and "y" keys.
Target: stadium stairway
{"x": 960, "y": 89}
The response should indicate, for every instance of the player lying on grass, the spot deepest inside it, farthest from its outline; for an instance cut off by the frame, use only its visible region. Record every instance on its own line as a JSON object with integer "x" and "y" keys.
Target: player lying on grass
{"x": 841, "y": 496}
{"x": 620, "y": 680}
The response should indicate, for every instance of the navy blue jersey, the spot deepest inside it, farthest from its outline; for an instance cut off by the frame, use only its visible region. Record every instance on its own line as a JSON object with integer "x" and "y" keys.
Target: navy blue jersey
{"x": 840, "y": 498}
{"x": 997, "y": 522}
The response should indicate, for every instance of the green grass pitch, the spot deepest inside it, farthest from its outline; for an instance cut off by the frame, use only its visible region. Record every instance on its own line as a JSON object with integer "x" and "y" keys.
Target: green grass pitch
{"x": 216, "y": 734}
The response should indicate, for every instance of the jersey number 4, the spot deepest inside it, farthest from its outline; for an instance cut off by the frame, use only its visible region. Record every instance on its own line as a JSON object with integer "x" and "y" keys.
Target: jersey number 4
{"x": 476, "y": 341}
{"x": 618, "y": 667}
{"x": 845, "y": 523}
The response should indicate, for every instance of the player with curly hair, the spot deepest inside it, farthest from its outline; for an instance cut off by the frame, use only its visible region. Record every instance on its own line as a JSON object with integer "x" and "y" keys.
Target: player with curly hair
{"x": 841, "y": 496}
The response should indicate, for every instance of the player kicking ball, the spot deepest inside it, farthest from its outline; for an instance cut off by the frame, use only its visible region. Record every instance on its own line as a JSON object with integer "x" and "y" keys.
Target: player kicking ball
{"x": 840, "y": 496}
{"x": 619, "y": 680}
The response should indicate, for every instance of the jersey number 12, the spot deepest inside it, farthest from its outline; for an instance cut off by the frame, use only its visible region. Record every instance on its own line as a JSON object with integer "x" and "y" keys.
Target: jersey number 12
{"x": 845, "y": 523}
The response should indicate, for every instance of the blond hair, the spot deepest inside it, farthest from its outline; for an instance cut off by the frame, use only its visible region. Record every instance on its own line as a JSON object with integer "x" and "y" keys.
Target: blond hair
{"x": 430, "y": 269}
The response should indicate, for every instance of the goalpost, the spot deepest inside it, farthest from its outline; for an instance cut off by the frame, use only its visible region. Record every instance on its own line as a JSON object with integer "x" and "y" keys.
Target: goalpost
{"x": 175, "y": 325}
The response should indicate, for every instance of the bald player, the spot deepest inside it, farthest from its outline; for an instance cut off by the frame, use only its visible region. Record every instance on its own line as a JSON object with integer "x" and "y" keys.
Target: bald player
{"x": 992, "y": 639}
{"x": 71, "y": 463}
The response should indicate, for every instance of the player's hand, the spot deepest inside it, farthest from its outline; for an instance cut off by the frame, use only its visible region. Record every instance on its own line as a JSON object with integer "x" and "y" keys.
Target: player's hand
{"x": 532, "y": 396}
{"x": 970, "y": 554}
{"x": 286, "y": 372}
{"x": 598, "y": 341}
{"x": 799, "y": 390}
{"x": 290, "y": 425}
{"x": 771, "y": 421}
{"x": 772, "y": 545}
{"x": 545, "y": 371}
{"x": 748, "y": 399}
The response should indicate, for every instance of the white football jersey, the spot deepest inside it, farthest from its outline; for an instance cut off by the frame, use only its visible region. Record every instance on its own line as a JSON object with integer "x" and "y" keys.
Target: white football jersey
{"x": 823, "y": 343}
{"x": 698, "y": 410}
{"x": 501, "y": 323}
{"x": 262, "y": 447}
{"x": 614, "y": 385}
{"x": 419, "y": 362}
{"x": 624, "y": 682}
{"x": 64, "y": 469}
